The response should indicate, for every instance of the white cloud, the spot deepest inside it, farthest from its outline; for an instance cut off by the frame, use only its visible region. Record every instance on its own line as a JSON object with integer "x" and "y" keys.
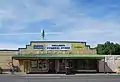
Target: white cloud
{"x": 93, "y": 31}
{"x": 28, "y": 11}
{"x": 75, "y": 25}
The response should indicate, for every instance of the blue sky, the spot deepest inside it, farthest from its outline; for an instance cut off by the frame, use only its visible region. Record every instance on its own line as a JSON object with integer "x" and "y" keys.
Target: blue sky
{"x": 92, "y": 21}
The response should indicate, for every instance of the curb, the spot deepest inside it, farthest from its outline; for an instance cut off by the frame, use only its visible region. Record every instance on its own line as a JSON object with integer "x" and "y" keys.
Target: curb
{"x": 59, "y": 75}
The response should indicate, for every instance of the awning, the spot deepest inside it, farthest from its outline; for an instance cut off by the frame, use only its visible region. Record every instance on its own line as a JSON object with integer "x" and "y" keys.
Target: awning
{"x": 59, "y": 56}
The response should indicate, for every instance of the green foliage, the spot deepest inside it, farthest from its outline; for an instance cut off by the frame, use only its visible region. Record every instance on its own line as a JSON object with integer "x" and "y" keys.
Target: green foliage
{"x": 108, "y": 48}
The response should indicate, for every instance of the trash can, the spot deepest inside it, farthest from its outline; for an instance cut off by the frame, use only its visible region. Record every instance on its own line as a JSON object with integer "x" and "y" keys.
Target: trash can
{"x": 1, "y": 70}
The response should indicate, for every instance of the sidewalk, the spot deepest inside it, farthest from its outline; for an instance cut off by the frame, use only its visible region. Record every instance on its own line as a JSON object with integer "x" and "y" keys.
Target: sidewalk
{"x": 45, "y": 75}
{"x": 56, "y": 75}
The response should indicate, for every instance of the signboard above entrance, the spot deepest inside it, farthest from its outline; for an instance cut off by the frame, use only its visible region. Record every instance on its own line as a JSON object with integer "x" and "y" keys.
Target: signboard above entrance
{"x": 58, "y": 47}
{"x": 38, "y": 47}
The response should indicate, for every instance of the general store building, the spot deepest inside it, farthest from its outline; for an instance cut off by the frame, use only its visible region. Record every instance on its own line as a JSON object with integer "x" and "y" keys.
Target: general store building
{"x": 54, "y": 56}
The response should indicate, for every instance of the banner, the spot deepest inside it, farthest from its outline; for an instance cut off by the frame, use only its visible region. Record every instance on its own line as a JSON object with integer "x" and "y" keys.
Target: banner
{"x": 58, "y": 47}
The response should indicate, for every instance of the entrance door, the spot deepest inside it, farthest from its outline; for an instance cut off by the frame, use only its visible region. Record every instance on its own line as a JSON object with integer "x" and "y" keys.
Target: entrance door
{"x": 26, "y": 66}
{"x": 51, "y": 66}
{"x": 62, "y": 65}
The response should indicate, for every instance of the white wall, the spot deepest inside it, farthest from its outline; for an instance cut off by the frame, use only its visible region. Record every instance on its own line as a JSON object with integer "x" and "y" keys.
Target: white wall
{"x": 111, "y": 63}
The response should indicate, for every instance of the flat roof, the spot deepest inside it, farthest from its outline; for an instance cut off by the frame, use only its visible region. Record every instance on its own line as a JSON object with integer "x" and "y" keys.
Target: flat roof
{"x": 59, "y": 56}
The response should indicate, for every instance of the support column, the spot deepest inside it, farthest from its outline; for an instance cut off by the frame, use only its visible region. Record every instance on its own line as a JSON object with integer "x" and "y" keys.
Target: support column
{"x": 104, "y": 65}
{"x": 66, "y": 64}
{"x": 12, "y": 61}
{"x": 57, "y": 66}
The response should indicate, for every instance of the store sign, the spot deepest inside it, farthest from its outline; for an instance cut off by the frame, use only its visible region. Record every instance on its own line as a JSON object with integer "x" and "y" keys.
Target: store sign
{"x": 38, "y": 47}
{"x": 78, "y": 46}
{"x": 58, "y": 47}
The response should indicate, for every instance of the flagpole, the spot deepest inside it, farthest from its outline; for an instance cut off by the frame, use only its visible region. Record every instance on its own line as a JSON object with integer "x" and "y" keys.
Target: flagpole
{"x": 42, "y": 34}
{"x": 42, "y": 37}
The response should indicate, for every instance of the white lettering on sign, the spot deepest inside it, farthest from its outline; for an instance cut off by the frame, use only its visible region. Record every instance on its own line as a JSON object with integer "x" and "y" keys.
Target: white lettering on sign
{"x": 58, "y": 47}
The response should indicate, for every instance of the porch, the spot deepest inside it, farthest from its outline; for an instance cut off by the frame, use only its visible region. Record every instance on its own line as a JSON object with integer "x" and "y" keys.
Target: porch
{"x": 58, "y": 63}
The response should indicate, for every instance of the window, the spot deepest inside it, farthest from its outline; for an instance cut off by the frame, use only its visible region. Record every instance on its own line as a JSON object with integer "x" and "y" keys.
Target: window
{"x": 43, "y": 65}
{"x": 34, "y": 64}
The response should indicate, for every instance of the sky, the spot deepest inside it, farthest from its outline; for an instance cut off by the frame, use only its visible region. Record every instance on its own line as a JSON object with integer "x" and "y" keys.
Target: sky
{"x": 91, "y": 21}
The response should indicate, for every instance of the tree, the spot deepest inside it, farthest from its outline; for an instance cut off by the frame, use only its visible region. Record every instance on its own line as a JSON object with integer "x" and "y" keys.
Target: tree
{"x": 108, "y": 48}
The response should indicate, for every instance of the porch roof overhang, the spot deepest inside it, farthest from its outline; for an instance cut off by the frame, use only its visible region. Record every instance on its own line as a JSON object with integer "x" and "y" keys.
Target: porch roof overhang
{"x": 59, "y": 56}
